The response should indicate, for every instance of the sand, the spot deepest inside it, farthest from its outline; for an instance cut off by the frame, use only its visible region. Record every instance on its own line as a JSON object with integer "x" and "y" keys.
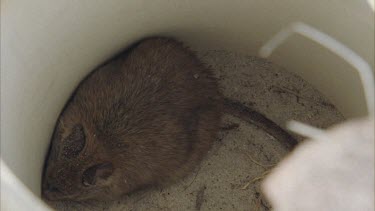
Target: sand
{"x": 229, "y": 177}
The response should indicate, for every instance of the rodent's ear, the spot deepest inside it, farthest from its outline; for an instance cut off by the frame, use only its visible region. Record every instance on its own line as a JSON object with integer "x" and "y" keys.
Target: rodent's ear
{"x": 97, "y": 174}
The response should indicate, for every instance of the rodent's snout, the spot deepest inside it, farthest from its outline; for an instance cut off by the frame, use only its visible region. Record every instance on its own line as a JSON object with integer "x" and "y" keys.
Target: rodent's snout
{"x": 51, "y": 188}
{"x": 54, "y": 186}
{"x": 50, "y": 191}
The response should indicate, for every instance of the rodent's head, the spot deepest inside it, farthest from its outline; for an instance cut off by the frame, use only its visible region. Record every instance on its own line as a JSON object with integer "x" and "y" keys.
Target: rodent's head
{"x": 76, "y": 168}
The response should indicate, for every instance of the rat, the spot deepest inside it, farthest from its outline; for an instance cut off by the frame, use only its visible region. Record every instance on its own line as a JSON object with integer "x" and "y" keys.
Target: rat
{"x": 146, "y": 117}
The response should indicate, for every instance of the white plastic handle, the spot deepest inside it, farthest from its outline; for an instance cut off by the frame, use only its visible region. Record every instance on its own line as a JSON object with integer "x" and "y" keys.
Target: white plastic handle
{"x": 363, "y": 68}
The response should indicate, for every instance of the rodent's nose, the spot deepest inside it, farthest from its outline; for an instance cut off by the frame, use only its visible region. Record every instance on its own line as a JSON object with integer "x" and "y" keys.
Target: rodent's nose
{"x": 51, "y": 188}
{"x": 51, "y": 192}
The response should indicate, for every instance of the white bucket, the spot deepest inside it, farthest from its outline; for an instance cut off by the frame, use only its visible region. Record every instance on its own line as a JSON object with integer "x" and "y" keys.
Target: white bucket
{"x": 47, "y": 47}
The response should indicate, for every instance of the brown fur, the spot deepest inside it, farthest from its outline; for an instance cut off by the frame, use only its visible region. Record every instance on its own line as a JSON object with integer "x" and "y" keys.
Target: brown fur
{"x": 146, "y": 117}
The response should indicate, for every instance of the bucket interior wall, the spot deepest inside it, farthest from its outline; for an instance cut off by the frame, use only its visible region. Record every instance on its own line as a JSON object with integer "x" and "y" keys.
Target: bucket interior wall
{"x": 47, "y": 47}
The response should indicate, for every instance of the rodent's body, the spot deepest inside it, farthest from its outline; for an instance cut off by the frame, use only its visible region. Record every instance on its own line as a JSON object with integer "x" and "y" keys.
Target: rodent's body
{"x": 146, "y": 117}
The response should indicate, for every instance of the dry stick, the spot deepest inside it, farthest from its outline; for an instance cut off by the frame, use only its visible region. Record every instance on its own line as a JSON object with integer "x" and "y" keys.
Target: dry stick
{"x": 230, "y": 126}
{"x": 290, "y": 92}
{"x": 286, "y": 90}
{"x": 259, "y": 177}
{"x": 256, "y": 179}
{"x": 200, "y": 198}
{"x": 258, "y": 204}
{"x": 193, "y": 178}
{"x": 258, "y": 163}
{"x": 261, "y": 203}
{"x": 258, "y": 201}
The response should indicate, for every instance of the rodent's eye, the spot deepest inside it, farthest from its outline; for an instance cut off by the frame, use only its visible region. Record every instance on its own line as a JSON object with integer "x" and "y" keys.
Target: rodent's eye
{"x": 97, "y": 174}
{"x": 74, "y": 143}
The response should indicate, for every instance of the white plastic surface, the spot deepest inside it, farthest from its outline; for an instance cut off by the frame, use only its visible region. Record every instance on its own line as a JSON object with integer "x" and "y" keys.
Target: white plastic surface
{"x": 15, "y": 196}
{"x": 47, "y": 47}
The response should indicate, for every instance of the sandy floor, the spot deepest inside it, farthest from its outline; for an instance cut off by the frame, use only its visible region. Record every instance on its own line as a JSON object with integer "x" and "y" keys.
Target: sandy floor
{"x": 229, "y": 177}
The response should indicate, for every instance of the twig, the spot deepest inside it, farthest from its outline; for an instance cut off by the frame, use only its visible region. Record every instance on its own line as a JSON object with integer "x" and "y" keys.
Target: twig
{"x": 256, "y": 179}
{"x": 231, "y": 126}
{"x": 298, "y": 96}
{"x": 288, "y": 91}
{"x": 200, "y": 198}
{"x": 258, "y": 163}
{"x": 193, "y": 178}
